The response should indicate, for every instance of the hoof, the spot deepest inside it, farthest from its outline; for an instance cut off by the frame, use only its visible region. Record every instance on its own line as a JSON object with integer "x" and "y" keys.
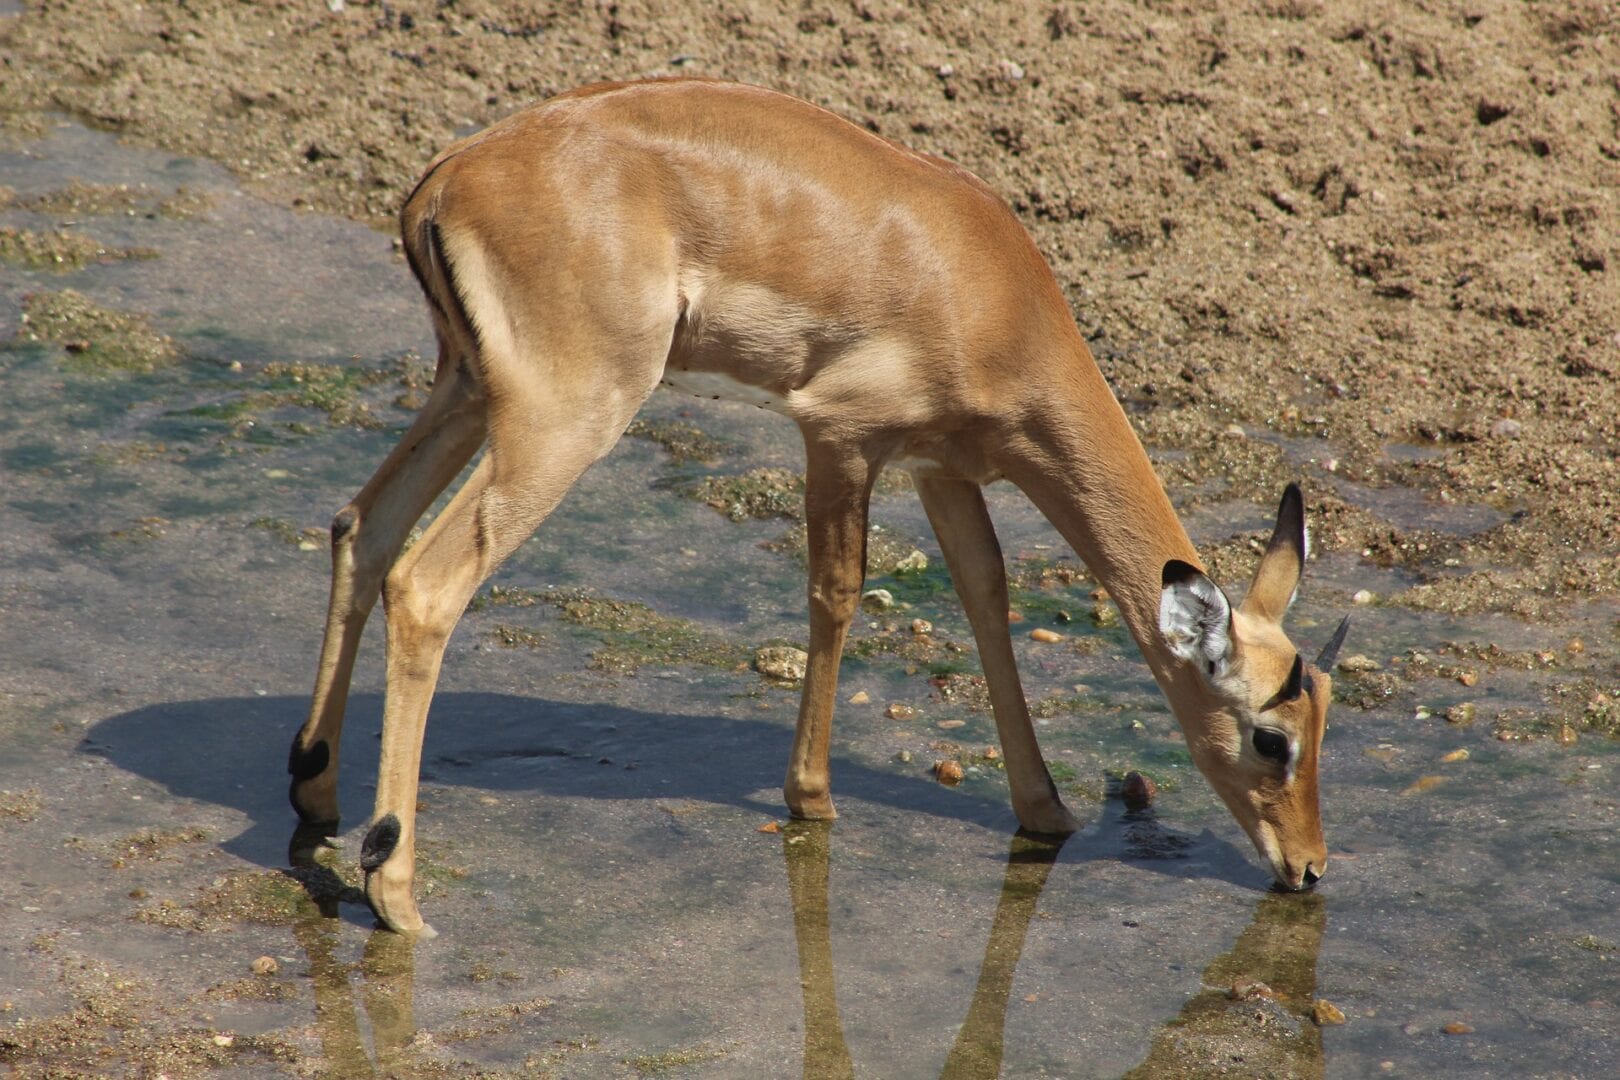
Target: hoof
{"x": 820, "y": 809}
{"x": 309, "y": 839}
{"x": 395, "y": 909}
{"x": 389, "y": 894}
{"x": 1048, "y": 819}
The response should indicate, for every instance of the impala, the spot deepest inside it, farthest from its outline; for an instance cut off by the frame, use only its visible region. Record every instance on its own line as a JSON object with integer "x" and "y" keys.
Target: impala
{"x": 736, "y": 243}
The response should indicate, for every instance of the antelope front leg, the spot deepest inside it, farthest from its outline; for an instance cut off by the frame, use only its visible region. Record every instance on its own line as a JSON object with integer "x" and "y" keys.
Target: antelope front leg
{"x": 968, "y": 538}
{"x": 837, "y": 487}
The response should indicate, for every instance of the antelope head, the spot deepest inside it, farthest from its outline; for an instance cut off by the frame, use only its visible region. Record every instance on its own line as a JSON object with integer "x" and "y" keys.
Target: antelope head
{"x": 1259, "y": 745}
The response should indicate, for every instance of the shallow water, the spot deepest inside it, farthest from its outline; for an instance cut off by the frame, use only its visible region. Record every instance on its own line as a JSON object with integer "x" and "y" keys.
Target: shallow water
{"x": 589, "y": 840}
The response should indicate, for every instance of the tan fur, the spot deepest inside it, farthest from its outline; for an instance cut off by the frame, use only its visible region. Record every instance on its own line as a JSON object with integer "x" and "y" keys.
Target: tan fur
{"x": 582, "y": 251}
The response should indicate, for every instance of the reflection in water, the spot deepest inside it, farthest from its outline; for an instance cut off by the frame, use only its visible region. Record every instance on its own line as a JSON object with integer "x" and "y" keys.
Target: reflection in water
{"x": 805, "y": 848}
{"x": 1254, "y": 1015}
{"x": 977, "y": 1051}
{"x": 387, "y": 968}
{"x": 387, "y": 971}
{"x": 1253, "y": 1019}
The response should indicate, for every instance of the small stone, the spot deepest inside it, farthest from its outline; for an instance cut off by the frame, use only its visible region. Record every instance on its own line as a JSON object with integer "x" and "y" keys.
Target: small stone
{"x": 1575, "y": 646}
{"x": 903, "y": 756}
{"x": 224, "y": 1040}
{"x": 1467, "y": 678}
{"x": 1248, "y": 990}
{"x": 915, "y": 563}
{"x": 770, "y": 827}
{"x": 1105, "y": 616}
{"x": 1424, "y": 783}
{"x": 1461, "y": 714}
{"x": 265, "y": 965}
{"x": 1099, "y": 595}
{"x": 898, "y": 711}
{"x": 1326, "y": 1014}
{"x": 1506, "y": 429}
{"x": 1138, "y": 791}
{"x": 1363, "y": 596}
{"x": 1567, "y": 735}
{"x": 1455, "y": 755}
{"x": 786, "y": 664}
{"x": 921, "y": 627}
{"x": 948, "y": 772}
{"x": 1014, "y": 617}
{"x": 1041, "y": 633}
{"x": 860, "y": 697}
{"x": 1457, "y": 1027}
{"x": 992, "y": 754}
{"x": 876, "y": 600}
{"x": 137, "y": 894}
{"x": 1359, "y": 664}
{"x": 950, "y": 725}
{"x": 1234, "y": 431}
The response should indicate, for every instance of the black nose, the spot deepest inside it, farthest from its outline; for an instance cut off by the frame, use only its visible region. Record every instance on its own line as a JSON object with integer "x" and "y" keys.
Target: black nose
{"x": 1311, "y": 877}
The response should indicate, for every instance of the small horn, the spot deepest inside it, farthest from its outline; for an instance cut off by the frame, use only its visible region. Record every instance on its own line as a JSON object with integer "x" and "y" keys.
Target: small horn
{"x": 1330, "y": 651}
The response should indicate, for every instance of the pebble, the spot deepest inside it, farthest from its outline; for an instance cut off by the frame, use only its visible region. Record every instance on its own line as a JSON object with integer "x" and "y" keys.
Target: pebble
{"x": 1041, "y": 633}
{"x": 1357, "y": 664}
{"x": 224, "y": 1040}
{"x": 1326, "y": 1014}
{"x": 898, "y": 711}
{"x": 265, "y": 965}
{"x": 1455, "y": 755}
{"x": 914, "y": 563}
{"x": 783, "y": 663}
{"x": 1245, "y": 990}
{"x": 1138, "y": 790}
{"x": 1461, "y": 714}
{"x": 992, "y": 754}
{"x": 903, "y": 756}
{"x": 921, "y": 627}
{"x": 1576, "y": 645}
{"x": 1467, "y": 678}
{"x": 1507, "y": 429}
{"x": 770, "y": 827}
{"x": 948, "y": 773}
{"x": 1014, "y": 617}
{"x": 1233, "y": 431}
{"x": 1567, "y": 736}
{"x": 1105, "y": 615}
{"x": 875, "y": 600}
{"x": 860, "y": 697}
{"x": 1424, "y": 783}
{"x": 1457, "y": 1027}
{"x": 1363, "y": 596}
{"x": 950, "y": 725}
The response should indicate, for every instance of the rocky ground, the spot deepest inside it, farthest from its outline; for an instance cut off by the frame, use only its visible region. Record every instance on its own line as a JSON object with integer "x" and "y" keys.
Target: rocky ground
{"x": 1380, "y": 224}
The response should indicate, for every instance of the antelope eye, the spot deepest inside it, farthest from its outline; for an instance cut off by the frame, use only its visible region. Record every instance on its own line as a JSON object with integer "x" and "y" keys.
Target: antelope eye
{"x": 1271, "y": 744}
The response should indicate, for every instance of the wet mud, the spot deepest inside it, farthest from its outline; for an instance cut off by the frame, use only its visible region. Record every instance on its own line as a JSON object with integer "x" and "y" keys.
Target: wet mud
{"x": 603, "y": 755}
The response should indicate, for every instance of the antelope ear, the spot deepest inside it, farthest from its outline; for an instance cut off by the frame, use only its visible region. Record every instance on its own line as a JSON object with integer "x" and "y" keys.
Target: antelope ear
{"x": 1195, "y": 619}
{"x": 1276, "y": 581}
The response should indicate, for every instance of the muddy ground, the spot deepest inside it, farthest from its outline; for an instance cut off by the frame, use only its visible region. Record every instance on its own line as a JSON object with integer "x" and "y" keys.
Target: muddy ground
{"x": 1367, "y": 246}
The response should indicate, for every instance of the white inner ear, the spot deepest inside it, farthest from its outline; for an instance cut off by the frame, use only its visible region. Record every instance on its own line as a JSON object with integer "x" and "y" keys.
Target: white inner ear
{"x": 1195, "y": 619}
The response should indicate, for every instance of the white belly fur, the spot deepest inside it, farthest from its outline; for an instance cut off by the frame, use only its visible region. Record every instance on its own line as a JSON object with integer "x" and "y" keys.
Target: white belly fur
{"x": 718, "y": 386}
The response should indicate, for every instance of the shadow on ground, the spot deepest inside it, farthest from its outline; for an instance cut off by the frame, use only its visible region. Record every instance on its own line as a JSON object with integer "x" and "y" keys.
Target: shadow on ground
{"x": 231, "y": 752}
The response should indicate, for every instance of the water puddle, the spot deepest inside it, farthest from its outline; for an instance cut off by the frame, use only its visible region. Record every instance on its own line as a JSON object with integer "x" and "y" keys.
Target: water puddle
{"x": 602, "y": 761}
